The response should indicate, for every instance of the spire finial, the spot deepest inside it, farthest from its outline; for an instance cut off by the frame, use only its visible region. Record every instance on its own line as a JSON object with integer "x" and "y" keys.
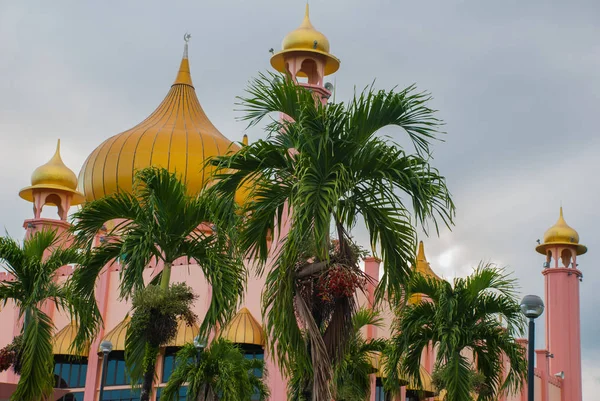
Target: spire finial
{"x": 421, "y": 252}
{"x": 183, "y": 75}
{"x": 306, "y": 12}
{"x": 186, "y": 38}
{"x": 57, "y": 152}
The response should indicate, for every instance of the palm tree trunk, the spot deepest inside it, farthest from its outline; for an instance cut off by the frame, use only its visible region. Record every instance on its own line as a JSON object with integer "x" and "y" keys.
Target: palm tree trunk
{"x": 149, "y": 368}
{"x": 166, "y": 276}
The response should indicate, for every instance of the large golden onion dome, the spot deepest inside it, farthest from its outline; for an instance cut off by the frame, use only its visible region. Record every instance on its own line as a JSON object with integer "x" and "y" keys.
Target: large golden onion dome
{"x": 305, "y": 39}
{"x": 177, "y": 135}
{"x": 561, "y": 234}
{"x": 53, "y": 175}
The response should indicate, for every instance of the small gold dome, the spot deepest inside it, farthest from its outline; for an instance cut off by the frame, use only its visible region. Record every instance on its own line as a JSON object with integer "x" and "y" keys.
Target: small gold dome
{"x": 185, "y": 334}
{"x": 244, "y": 329}
{"x": 63, "y": 340}
{"x": 305, "y": 36}
{"x": 53, "y": 175}
{"x": 306, "y": 39}
{"x": 561, "y": 234}
{"x": 117, "y": 335}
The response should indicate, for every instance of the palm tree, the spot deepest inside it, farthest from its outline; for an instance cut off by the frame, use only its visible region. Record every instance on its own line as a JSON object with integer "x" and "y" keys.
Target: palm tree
{"x": 352, "y": 376}
{"x": 328, "y": 166}
{"x": 160, "y": 222}
{"x": 34, "y": 266}
{"x": 473, "y": 319}
{"x": 219, "y": 373}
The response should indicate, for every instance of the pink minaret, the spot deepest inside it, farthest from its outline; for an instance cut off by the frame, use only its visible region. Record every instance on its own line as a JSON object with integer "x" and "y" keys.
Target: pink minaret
{"x": 561, "y": 278}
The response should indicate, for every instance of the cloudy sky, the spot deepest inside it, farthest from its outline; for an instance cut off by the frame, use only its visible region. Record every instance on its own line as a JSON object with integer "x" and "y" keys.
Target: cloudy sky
{"x": 517, "y": 84}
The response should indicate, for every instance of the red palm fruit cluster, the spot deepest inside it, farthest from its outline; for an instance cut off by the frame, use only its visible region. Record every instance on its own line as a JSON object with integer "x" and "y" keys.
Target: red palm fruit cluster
{"x": 7, "y": 357}
{"x": 338, "y": 282}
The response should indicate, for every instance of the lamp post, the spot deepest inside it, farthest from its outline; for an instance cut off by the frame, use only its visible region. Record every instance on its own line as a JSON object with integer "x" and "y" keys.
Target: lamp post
{"x": 532, "y": 307}
{"x": 106, "y": 347}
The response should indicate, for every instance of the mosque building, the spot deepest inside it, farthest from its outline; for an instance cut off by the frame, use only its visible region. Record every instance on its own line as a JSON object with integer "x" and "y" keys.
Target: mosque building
{"x": 179, "y": 136}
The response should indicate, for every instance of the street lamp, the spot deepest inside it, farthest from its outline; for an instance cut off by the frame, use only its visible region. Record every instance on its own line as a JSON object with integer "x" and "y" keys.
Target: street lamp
{"x": 200, "y": 344}
{"x": 106, "y": 347}
{"x": 532, "y": 307}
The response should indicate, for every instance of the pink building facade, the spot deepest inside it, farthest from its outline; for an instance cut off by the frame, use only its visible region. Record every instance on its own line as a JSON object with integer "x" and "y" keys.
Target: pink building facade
{"x": 306, "y": 58}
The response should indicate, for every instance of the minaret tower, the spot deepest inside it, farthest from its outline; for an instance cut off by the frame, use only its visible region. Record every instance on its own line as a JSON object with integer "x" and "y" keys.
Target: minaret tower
{"x": 562, "y": 277}
{"x": 305, "y": 54}
{"x": 51, "y": 184}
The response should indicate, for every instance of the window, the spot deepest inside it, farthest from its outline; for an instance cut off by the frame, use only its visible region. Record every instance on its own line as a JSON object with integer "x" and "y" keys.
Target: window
{"x": 182, "y": 393}
{"x": 126, "y": 394}
{"x": 379, "y": 393}
{"x": 115, "y": 370}
{"x": 77, "y": 396}
{"x": 168, "y": 363}
{"x": 255, "y": 353}
{"x": 70, "y": 371}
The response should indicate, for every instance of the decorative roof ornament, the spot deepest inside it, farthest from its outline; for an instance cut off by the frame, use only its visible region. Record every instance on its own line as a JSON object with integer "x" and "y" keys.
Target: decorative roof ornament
{"x": 305, "y": 39}
{"x": 53, "y": 176}
{"x": 561, "y": 234}
{"x": 186, "y": 37}
{"x": 244, "y": 329}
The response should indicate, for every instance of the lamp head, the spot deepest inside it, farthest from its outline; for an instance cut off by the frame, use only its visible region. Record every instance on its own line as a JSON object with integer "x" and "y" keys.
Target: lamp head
{"x": 106, "y": 347}
{"x": 532, "y": 306}
{"x": 199, "y": 342}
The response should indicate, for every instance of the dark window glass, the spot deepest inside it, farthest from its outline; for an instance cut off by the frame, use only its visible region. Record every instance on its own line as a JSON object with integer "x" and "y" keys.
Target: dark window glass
{"x": 121, "y": 395}
{"x": 182, "y": 393}
{"x": 115, "y": 370}
{"x": 78, "y": 396}
{"x": 69, "y": 371}
{"x": 168, "y": 363}
{"x": 111, "y": 368}
{"x": 379, "y": 393}
{"x": 253, "y": 353}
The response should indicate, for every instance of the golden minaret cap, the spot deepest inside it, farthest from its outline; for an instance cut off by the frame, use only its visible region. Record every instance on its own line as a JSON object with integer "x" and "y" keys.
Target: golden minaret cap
{"x": 53, "y": 175}
{"x": 422, "y": 267}
{"x": 305, "y": 39}
{"x": 561, "y": 234}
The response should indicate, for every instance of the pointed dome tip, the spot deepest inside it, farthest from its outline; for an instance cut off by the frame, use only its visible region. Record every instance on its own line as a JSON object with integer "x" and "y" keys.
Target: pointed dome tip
{"x": 421, "y": 251}
{"x": 184, "y": 76}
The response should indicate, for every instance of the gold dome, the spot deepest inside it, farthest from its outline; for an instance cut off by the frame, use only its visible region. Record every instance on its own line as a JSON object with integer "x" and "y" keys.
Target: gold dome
{"x": 117, "y": 335}
{"x": 185, "y": 334}
{"x": 177, "y": 135}
{"x": 53, "y": 175}
{"x": 306, "y": 39}
{"x": 244, "y": 329}
{"x": 63, "y": 340}
{"x": 561, "y": 234}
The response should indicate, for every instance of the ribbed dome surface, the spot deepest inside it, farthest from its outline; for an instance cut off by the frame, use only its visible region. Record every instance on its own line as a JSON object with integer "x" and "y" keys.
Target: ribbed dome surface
{"x": 177, "y": 135}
